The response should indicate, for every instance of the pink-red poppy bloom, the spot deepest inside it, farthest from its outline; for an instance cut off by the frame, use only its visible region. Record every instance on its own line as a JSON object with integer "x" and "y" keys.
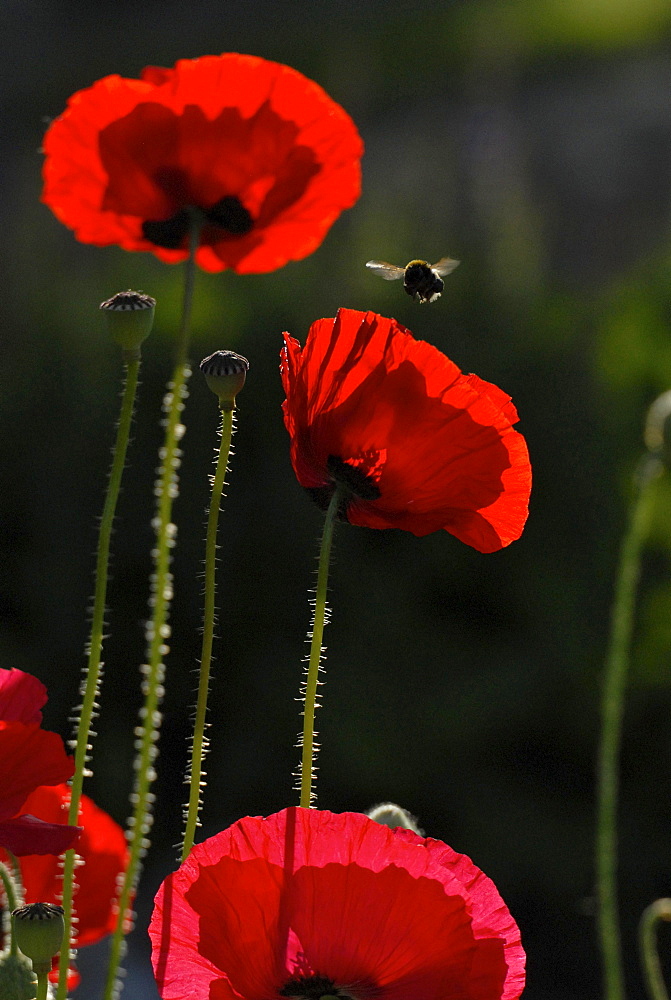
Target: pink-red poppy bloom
{"x": 255, "y": 151}
{"x": 311, "y": 904}
{"x": 411, "y": 441}
{"x": 29, "y": 757}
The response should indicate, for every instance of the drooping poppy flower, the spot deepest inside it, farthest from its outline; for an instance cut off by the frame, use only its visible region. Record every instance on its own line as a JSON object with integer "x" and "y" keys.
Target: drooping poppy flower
{"x": 310, "y": 904}
{"x": 412, "y": 442}
{"x": 102, "y": 848}
{"x": 29, "y": 757}
{"x": 262, "y": 154}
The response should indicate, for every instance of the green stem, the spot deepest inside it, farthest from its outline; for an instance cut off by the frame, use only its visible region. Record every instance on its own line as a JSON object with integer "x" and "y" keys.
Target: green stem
{"x": 612, "y": 707}
{"x": 158, "y": 631}
{"x": 199, "y": 740}
{"x": 652, "y": 970}
{"x": 42, "y": 986}
{"x": 12, "y": 901}
{"x": 308, "y": 796}
{"x": 92, "y": 674}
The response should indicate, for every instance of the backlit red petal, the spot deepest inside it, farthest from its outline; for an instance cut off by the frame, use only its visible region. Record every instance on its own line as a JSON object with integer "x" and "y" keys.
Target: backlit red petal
{"x": 29, "y": 757}
{"x": 21, "y": 696}
{"x": 363, "y": 386}
{"x": 102, "y": 847}
{"x": 127, "y": 152}
{"x": 306, "y": 892}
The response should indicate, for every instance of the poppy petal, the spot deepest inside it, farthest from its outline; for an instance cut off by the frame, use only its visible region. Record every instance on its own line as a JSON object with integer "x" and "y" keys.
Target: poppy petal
{"x": 21, "y": 696}
{"x": 29, "y": 756}
{"x": 438, "y": 446}
{"x": 29, "y": 835}
{"x": 307, "y": 894}
{"x": 102, "y": 848}
{"x": 127, "y": 155}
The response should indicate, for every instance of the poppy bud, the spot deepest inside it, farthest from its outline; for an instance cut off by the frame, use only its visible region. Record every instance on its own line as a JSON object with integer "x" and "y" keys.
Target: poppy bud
{"x": 391, "y": 815}
{"x": 130, "y": 316}
{"x": 17, "y": 980}
{"x": 225, "y": 373}
{"x": 658, "y": 428}
{"x": 39, "y": 930}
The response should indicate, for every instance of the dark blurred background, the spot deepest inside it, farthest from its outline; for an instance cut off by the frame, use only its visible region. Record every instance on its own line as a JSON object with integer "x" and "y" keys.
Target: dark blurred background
{"x": 533, "y": 142}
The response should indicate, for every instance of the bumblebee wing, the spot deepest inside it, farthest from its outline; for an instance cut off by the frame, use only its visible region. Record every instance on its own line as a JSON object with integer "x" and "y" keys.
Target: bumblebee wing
{"x": 387, "y": 271}
{"x": 444, "y": 266}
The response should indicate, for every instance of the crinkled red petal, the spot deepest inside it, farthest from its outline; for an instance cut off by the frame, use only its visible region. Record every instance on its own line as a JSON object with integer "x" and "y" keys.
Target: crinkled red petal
{"x": 102, "y": 847}
{"x": 29, "y": 757}
{"x": 363, "y": 386}
{"x": 21, "y": 696}
{"x": 306, "y": 892}
{"x": 129, "y": 151}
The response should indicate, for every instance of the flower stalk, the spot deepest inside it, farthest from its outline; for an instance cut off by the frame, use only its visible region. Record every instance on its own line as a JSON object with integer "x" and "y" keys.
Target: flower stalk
{"x": 92, "y": 675}
{"x": 612, "y": 708}
{"x": 308, "y": 796}
{"x": 11, "y": 891}
{"x": 647, "y": 938}
{"x": 158, "y": 629}
{"x": 225, "y": 373}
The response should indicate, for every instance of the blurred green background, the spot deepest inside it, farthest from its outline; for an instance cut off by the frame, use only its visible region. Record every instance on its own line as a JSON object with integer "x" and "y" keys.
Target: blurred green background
{"x": 531, "y": 140}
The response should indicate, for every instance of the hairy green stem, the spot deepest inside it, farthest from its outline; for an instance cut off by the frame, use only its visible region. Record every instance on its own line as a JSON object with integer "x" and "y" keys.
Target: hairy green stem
{"x": 308, "y": 795}
{"x": 652, "y": 969}
{"x": 199, "y": 740}
{"x": 612, "y": 708}
{"x": 12, "y": 899}
{"x": 158, "y": 631}
{"x": 93, "y": 670}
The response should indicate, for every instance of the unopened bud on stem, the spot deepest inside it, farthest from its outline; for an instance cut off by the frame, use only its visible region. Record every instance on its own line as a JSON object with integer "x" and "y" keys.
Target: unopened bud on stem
{"x": 130, "y": 317}
{"x": 391, "y": 815}
{"x": 225, "y": 373}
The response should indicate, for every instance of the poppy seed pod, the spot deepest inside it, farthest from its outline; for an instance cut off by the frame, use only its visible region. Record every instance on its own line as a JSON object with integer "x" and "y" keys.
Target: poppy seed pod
{"x": 130, "y": 317}
{"x": 225, "y": 373}
{"x": 39, "y": 929}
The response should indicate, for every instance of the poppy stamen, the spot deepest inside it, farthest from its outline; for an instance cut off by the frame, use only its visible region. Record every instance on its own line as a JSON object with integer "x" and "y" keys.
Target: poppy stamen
{"x": 355, "y": 479}
{"x": 310, "y": 988}
{"x": 168, "y": 233}
{"x": 230, "y": 214}
{"x": 355, "y": 483}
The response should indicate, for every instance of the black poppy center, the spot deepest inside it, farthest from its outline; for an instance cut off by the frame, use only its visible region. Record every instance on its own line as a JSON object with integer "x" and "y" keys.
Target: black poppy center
{"x": 353, "y": 482}
{"x": 310, "y": 988}
{"x": 228, "y": 214}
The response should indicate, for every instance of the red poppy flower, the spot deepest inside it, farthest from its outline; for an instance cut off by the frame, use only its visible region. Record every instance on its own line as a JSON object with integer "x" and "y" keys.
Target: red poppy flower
{"x": 102, "y": 848}
{"x": 411, "y": 441}
{"x": 29, "y": 757}
{"x": 264, "y": 154}
{"x": 309, "y": 904}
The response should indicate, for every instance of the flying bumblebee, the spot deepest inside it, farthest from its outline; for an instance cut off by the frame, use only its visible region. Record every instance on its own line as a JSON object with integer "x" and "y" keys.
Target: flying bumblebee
{"x": 421, "y": 280}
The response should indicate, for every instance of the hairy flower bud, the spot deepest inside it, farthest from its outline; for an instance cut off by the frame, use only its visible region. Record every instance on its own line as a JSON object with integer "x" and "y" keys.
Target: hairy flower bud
{"x": 130, "y": 317}
{"x": 38, "y": 930}
{"x": 391, "y": 815}
{"x": 17, "y": 979}
{"x": 225, "y": 373}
